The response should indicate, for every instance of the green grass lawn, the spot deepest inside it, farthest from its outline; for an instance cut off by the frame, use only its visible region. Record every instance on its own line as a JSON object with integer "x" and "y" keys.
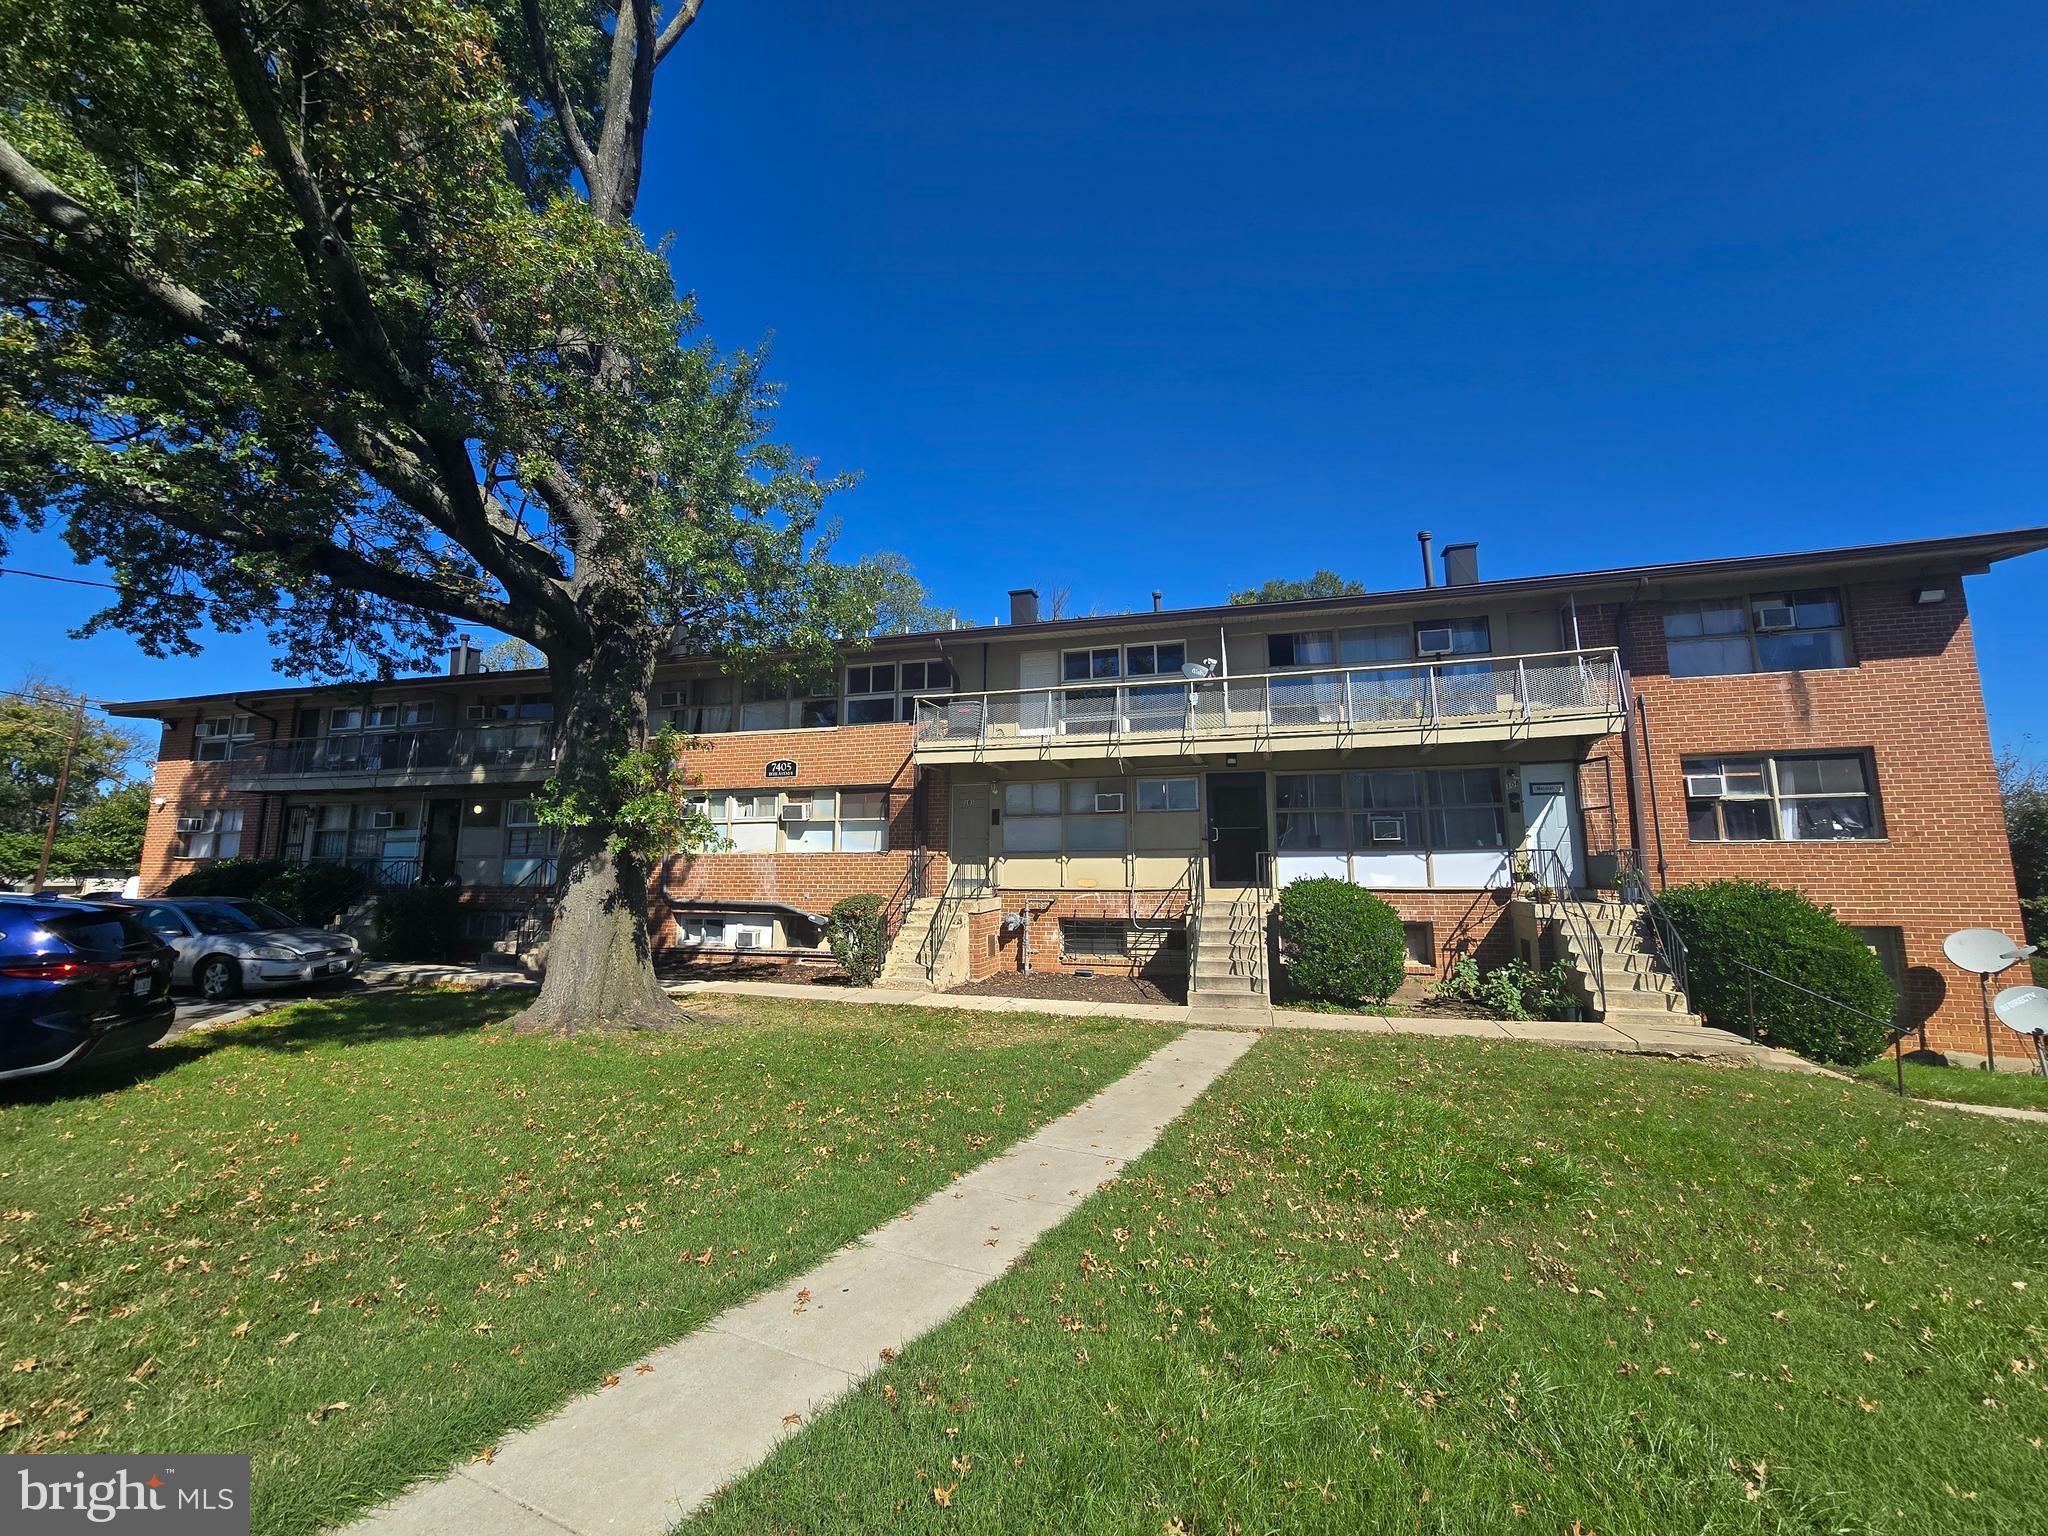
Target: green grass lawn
{"x": 361, "y": 1239}
{"x": 1962, "y": 1085}
{"x": 1373, "y": 1284}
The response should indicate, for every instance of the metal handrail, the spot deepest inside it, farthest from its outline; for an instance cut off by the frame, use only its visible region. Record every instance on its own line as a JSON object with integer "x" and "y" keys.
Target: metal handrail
{"x": 1551, "y": 872}
{"x": 951, "y": 900}
{"x": 512, "y": 744}
{"x": 1665, "y": 943}
{"x": 1423, "y": 692}
{"x": 896, "y": 906}
{"x": 1895, "y": 1032}
{"x": 1197, "y": 866}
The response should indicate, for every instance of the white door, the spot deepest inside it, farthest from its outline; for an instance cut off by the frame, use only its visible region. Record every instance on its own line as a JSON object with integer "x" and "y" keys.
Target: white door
{"x": 1036, "y": 669}
{"x": 1550, "y": 812}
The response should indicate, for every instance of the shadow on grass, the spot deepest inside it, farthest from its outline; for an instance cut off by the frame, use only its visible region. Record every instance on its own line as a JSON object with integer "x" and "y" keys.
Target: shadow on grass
{"x": 315, "y": 1024}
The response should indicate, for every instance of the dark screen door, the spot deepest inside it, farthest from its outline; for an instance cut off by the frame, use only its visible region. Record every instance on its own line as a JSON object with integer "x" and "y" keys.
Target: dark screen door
{"x": 1237, "y": 827}
{"x": 444, "y": 823}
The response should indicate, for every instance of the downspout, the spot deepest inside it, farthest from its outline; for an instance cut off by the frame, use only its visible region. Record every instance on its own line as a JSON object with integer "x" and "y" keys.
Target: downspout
{"x": 1631, "y": 752}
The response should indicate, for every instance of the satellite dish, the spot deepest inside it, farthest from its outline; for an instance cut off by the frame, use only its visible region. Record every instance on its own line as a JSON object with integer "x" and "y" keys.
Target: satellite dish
{"x": 1195, "y": 671}
{"x": 2023, "y": 1009}
{"x": 1983, "y": 950}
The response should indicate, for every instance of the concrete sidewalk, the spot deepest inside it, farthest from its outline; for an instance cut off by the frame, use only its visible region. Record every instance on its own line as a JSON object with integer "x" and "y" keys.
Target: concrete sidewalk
{"x": 637, "y": 1457}
{"x": 1694, "y": 1042}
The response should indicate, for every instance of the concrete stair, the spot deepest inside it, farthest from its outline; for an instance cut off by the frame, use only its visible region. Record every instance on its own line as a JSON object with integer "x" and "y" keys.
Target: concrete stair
{"x": 903, "y": 967}
{"x": 1230, "y": 964}
{"x": 1638, "y": 987}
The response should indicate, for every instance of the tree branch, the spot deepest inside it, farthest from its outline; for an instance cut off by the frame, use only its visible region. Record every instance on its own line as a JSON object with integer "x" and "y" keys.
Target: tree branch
{"x": 558, "y": 97}
{"x": 177, "y": 307}
{"x": 252, "y": 84}
{"x": 629, "y": 92}
{"x": 678, "y": 24}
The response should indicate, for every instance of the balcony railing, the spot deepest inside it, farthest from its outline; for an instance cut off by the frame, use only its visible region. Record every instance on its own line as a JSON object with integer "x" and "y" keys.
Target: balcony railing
{"x": 514, "y": 745}
{"x": 1486, "y": 693}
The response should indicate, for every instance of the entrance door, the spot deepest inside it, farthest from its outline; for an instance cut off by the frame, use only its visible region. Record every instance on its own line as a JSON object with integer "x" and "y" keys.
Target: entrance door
{"x": 969, "y": 835}
{"x": 1549, "y": 808}
{"x": 1237, "y": 827}
{"x": 437, "y": 857}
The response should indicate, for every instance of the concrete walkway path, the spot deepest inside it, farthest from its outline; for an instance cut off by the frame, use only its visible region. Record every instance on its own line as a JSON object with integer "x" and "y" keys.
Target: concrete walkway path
{"x": 1694, "y": 1042}
{"x": 635, "y": 1458}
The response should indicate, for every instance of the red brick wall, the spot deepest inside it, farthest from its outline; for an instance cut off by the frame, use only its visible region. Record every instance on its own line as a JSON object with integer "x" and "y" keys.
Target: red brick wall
{"x": 1915, "y": 703}
{"x": 185, "y": 787}
{"x": 853, "y": 757}
{"x": 1006, "y": 952}
{"x": 1462, "y": 923}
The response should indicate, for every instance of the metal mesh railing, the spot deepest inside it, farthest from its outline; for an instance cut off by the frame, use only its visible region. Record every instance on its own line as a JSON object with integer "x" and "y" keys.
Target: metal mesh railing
{"x": 513, "y": 745}
{"x": 1474, "y": 691}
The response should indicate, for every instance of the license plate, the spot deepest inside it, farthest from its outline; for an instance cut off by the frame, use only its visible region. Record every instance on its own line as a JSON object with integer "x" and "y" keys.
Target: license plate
{"x": 337, "y": 965}
{"x": 142, "y": 985}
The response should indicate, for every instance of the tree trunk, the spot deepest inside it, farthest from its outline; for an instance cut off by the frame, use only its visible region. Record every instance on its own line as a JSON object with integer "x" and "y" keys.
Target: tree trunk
{"x": 600, "y": 960}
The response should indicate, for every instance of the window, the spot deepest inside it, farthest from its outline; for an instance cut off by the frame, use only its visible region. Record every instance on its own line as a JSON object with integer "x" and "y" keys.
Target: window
{"x": 863, "y": 822}
{"x": 210, "y": 834}
{"x": 1309, "y": 811}
{"x": 1083, "y": 666}
{"x": 529, "y": 846}
{"x": 502, "y": 707}
{"x": 1093, "y": 938}
{"x": 870, "y": 694}
{"x": 1168, "y": 795}
{"x": 418, "y": 713}
{"x": 1095, "y": 816}
{"x": 795, "y": 821}
{"x": 1777, "y": 632}
{"x": 1466, "y": 809}
{"x": 719, "y": 931}
{"x": 222, "y": 737}
{"x": 1303, "y": 648}
{"x": 1162, "y": 707}
{"x": 1031, "y": 818}
{"x": 1453, "y": 637}
{"x": 1386, "y": 810}
{"x": 923, "y": 680}
{"x": 1889, "y": 945}
{"x": 1419, "y": 940}
{"x": 1804, "y": 799}
{"x": 381, "y": 717}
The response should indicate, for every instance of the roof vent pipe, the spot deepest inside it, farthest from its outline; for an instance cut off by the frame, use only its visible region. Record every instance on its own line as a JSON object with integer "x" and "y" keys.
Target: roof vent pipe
{"x": 1428, "y": 562}
{"x": 1158, "y": 599}
{"x": 1461, "y": 565}
{"x": 1024, "y": 605}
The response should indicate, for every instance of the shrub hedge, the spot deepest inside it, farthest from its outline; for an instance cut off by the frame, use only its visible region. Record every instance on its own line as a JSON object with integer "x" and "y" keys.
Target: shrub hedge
{"x": 1785, "y": 934}
{"x": 421, "y": 922}
{"x": 315, "y": 892}
{"x": 1340, "y": 943}
{"x": 854, "y": 931}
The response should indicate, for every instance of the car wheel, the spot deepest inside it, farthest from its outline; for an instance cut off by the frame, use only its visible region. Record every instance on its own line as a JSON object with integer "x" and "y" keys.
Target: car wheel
{"x": 219, "y": 978}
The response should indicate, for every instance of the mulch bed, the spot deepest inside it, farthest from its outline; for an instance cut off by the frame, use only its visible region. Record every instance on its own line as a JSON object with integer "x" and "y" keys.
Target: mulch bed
{"x": 700, "y": 968}
{"x": 1073, "y": 989}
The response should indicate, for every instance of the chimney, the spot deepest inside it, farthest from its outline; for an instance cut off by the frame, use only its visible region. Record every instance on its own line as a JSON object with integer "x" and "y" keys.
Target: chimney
{"x": 1428, "y": 564}
{"x": 1024, "y": 605}
{"x": 1461, "y": 565}
{"x": 464, "y": 658}
{"x": 1158, "y": 599}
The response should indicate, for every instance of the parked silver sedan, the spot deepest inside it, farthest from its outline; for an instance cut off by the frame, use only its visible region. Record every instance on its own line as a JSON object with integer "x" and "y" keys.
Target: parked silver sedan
{"x": 229, "y": 944}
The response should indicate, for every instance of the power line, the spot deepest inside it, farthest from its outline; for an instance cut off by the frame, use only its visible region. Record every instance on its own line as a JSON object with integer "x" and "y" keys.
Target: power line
{"x": 69, "y": 581}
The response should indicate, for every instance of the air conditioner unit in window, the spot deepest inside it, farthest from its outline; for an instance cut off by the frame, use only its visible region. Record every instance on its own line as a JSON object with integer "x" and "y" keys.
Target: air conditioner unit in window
{"x": 1432, "y": 642}
{"x": 385, "y": 820}
{"x": 796, "y": 811}
{"x": 191, "y": 823}
{"x": 671, "y": 698}
{"x": 746, "y": 938}
{"x": 1109, "y": 803}
{"x": 1705, "y": 786}
{"x": 1389, "y": 829}
{"x": 1774, "y": 616}
{"x": 477, "y": 712}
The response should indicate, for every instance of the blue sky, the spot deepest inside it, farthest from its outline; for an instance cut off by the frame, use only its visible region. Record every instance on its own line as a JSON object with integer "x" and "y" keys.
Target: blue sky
{"x": 1089, "y": 291}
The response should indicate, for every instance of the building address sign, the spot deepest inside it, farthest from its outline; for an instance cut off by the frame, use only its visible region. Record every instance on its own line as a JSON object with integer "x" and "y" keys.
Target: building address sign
{"x": 781, "y": 768}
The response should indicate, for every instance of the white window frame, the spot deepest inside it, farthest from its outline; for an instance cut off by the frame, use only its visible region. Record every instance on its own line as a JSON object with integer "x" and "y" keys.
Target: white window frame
{"x": 1750, "y": 637}
{"x": 240, "y": 734}
{"x": 218, "y": 834}
{"x": 1763, "y": 785}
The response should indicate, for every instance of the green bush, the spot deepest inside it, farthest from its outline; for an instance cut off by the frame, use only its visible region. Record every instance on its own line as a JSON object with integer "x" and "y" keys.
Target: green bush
{"x": 421, "y": 922}
{"x": 227, "y": 877}
{"x": 1341, "y": 944}
{"x": 855, "y": 933}
{"x": 1515, "y": 990}
{"x": 314, "y": 892}
{"x": 1783, "y": 933}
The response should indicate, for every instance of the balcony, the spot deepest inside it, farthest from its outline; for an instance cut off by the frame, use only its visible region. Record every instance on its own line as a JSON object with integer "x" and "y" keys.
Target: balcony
{"x": 514, "y": 752}
{"x": 1421, "y": 703}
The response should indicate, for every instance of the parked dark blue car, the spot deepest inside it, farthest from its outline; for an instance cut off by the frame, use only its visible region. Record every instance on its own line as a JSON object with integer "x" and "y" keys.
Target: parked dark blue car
{"x": 80, "y": 984}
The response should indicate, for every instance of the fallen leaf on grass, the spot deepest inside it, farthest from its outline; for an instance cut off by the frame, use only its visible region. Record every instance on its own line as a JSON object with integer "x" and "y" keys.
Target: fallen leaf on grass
{"x": 325, "y": 1409}
{"x": 643, "y": 1369}
{"x": 142, "y": 1371}
{"x": 610, "y": 1380}
{"x": 487, "y": 1455}
{"x": 943, "y": 1496}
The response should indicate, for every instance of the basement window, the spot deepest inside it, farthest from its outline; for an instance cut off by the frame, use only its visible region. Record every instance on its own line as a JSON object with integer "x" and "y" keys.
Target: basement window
{"x": 1094, "y": 938}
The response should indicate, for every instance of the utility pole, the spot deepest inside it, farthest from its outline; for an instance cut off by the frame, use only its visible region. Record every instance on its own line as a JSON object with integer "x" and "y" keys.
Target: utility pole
{"x": 63, "y": 783}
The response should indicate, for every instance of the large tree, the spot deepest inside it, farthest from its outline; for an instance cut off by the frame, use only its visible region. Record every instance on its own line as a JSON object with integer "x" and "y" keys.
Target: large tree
{"x": 1283, "y": 589}
{"x": 100, "y": 824}
{"x": 334, "y": 319}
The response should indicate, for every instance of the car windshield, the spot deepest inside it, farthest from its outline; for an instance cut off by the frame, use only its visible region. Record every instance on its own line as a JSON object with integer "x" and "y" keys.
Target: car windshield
{"x": 261, "y": 913}
{"x": 218, "y": 917}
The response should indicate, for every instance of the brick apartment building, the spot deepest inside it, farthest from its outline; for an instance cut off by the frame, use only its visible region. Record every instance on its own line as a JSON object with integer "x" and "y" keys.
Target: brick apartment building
{"x": 1105, "y": 793}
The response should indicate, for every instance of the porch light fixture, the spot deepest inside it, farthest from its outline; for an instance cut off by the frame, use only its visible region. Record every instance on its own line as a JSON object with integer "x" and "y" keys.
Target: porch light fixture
{"x": 1927, "y": 593}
